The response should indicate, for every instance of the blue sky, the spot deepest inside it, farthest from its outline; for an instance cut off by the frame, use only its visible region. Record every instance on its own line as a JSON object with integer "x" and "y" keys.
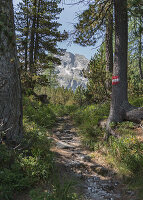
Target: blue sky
{"x": 67, "y": 19}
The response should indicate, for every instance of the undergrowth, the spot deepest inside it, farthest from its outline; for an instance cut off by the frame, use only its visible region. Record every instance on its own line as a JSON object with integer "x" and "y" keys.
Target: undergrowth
{"x": 58, "y": 192}
{"x": 31, "y": 164}
{"x": 87, "y": 119}
{"x": 124, "y": 153}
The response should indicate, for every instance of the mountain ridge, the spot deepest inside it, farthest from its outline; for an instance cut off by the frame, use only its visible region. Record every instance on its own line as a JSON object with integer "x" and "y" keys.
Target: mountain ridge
{"x": 69, "y": 72}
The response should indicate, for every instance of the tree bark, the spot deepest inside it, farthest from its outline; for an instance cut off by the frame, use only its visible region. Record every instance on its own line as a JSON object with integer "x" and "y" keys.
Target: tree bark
{"x": 120, "y": 108}
{"x": 109, "y": 48}
{"x": 119, "y": 101}
{"x": 37, "y": 34}
{"x": 32, "y": 40}
{"x": 26, "y": 39}
{"x": 109, "y": 42}
{"x": 10, "y": 90}
{"x": 140, "y": 47}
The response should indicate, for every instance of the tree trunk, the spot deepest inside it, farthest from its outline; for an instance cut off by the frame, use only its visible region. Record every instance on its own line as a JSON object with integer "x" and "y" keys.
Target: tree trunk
{"x": 10, "y": 90}
{"x": 26, "y": 39}
{"x": 32, "y": 39}
{"x": 140, "y": 47}
{"x": 119, "y": 100}
{"x": 37, "y": 34}
{"x": 109, "y": 42}
{"x": 109, "y": 48}
{"x": 120, "y": 108}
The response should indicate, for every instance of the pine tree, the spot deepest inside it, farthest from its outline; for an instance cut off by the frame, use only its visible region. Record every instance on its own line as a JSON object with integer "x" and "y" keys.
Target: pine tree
{"x": 38, "y": 33}
{"x": 96, "y": 74}
{"x": 95, "y": 23}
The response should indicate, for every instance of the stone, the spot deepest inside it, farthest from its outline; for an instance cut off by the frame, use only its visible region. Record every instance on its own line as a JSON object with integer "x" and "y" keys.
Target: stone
{"x": 63, "y": 145}
{"x": 85, "y": 158}
{"x": 57, "y": 133}
{"x": 66, "y": 138}
{"x": 100, "y": 170}
{"x": 79, "y": 164}
{"x": 74, "y": 164}
{"x": 67, "y": 131}
{"x": 108, "y": 187}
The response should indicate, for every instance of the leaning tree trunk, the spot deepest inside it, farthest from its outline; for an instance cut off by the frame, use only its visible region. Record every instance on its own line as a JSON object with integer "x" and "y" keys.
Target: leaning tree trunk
{"x": 10, "y": 90}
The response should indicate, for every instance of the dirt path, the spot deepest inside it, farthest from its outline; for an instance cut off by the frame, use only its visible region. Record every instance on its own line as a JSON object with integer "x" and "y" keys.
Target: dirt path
{"x": 95, "y": 181}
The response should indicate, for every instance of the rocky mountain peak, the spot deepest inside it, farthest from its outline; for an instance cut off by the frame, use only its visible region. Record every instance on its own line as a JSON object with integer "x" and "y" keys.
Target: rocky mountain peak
{"x": 70, "y": 71}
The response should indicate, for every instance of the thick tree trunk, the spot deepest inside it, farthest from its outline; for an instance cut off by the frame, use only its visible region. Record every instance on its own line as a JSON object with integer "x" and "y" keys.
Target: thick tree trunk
{"x": 120, "y": 108}
{"x": 10, "y": 91}
{"x": 119, "y": 101}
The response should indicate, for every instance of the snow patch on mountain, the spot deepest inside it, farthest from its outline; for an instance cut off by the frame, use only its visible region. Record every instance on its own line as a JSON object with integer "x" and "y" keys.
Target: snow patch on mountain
{"x": 69, "y": 73}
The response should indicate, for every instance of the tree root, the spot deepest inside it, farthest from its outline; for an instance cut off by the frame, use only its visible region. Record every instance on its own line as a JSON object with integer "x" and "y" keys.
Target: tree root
{"x": 109, "y": 130}
{"x": 129, "y": 113}
{"x": 135, "y": 115}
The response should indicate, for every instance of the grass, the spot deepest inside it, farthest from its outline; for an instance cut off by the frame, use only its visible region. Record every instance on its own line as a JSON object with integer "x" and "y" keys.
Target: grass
{"x": 125, "y": 154}
{"x": 137, "y": 101}
{"x": 87, "y": 119}
{"x": 32, "y": 163}
{"x": 38, "y": 113}
{"x": 59, "y": 192}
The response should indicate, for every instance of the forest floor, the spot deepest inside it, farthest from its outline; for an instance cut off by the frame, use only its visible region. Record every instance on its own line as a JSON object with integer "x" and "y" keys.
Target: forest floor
{"x": 94, "y": 179}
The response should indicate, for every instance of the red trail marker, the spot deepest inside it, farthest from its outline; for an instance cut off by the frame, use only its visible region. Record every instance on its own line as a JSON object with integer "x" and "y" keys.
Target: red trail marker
{"x": 115, "y": 80}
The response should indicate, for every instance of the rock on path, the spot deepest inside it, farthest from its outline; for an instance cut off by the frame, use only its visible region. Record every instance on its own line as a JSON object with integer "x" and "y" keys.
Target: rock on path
{"x": 97, "y": 183}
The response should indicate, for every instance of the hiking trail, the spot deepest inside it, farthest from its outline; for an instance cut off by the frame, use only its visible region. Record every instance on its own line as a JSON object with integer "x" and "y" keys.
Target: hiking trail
{"x": 95, "y": 180}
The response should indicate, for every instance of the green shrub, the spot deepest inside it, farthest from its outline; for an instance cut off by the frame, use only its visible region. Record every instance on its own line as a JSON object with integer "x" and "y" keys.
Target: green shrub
{"x": 41, "y": 114}
{"x": 127, "y": 150}
{"x": 58, "y": 192}
{"x": 137, "y": 101}
{"x": 87, "y": 119}
{"x": 21, "y": 169}
{"x": 12, "y": 177}
{"x": 61, "y": 110}
{"x": 33, "y": 162}
{"x": 39, "y": 160}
